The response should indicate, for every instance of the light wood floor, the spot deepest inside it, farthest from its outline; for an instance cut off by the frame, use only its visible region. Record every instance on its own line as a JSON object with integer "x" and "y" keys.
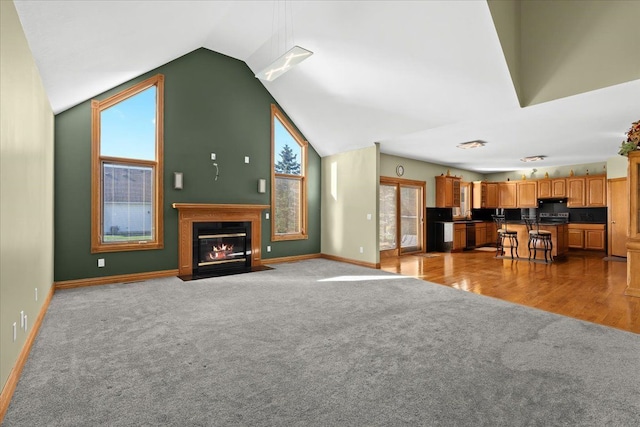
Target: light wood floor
{"x": 582, "y": 285}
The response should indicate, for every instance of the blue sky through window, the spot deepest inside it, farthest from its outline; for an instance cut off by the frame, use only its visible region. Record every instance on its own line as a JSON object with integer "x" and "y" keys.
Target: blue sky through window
{"x": 282, "y": 138}
{"x": 128, "y": 129}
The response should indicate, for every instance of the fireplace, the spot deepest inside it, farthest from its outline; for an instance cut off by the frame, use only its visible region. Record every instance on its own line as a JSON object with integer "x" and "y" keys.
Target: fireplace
{"x": 191, "y": 214}
{"x": 221, "y": 247}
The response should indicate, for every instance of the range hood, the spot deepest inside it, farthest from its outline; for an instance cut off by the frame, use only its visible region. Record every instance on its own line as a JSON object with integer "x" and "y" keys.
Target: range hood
{"x": 552, "y": 200}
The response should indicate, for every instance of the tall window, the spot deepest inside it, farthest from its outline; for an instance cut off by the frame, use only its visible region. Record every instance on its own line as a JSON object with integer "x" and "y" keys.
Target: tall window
{"x": 126, "y": 163}
{"x": 288, "y": 180}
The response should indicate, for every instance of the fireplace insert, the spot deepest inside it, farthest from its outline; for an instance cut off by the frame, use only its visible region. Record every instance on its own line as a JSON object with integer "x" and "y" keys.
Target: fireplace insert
{"x": 221, "y": 247}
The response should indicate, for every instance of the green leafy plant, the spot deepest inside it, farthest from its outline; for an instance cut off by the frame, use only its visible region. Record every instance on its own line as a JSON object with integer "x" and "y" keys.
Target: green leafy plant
{"x": 633, "y": 139}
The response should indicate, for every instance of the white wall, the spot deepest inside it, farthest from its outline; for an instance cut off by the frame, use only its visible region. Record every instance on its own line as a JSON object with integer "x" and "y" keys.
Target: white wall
{"x": 617, "y": 167}
{"x": 350, "y": 184}
{"x": 26, "y": 188}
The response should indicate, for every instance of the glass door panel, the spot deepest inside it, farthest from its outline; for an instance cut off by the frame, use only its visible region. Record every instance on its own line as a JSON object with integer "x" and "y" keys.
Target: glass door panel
{"x": 388, "y": 217}
{"x": 410, "y": 218}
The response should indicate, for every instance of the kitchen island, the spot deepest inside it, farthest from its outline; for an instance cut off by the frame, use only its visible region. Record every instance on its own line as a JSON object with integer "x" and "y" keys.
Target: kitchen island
{"x": 559, "y": 238}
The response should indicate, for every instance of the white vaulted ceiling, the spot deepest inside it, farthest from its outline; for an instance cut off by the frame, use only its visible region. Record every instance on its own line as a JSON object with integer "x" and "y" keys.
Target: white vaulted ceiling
{"x": 418, "y": 77}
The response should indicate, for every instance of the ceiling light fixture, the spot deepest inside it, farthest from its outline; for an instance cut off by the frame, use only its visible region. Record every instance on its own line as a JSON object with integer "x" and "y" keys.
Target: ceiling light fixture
{"x": 471, "y": 144}
{"x": 532, "y": 159}
{"x": 291, "y": 57}
{"x": 294, "y": 56}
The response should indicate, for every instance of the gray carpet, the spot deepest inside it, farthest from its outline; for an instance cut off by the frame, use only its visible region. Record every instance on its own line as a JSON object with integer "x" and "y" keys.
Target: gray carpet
{"x": 319, "y": 343}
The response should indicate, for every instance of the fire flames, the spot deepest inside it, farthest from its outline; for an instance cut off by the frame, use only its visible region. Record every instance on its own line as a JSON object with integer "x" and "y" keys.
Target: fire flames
{"x": 221, "y": 251}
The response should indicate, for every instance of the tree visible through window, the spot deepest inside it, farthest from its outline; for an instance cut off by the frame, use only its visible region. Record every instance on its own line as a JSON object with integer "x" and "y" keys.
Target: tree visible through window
{"x": 127, "y": 169}
{"x": 288, "y": 197}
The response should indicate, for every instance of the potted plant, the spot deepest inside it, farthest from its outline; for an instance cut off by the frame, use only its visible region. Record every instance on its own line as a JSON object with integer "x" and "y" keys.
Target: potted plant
{"x": 633, "y": 139}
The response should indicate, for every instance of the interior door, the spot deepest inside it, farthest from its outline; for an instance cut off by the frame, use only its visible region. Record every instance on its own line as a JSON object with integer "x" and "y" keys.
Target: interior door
{"x": 388, "y": 233}
{"x": 401, "y": 216}
{"x": 618, "y": 217}
{"x": 410, "y": 219}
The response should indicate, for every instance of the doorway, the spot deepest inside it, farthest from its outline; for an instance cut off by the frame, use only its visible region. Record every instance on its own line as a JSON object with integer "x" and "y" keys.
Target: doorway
{"x": 402, "y": 204}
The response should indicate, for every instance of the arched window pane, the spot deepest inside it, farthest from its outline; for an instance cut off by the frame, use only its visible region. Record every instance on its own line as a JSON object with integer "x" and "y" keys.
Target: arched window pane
{"x": 287, "y": 153}
{"x": 128, "y": 129}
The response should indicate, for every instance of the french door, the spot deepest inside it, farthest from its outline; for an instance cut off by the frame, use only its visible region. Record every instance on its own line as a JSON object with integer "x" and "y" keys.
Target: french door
{"x": 401, "y": 216}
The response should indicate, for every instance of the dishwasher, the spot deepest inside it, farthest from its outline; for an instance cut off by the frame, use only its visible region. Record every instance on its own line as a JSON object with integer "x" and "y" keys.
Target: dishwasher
{"x": 471, "y": 236}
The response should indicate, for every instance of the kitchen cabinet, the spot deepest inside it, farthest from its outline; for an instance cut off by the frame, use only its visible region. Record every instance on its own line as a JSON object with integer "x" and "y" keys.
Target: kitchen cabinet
{"x": 587, "y": 191}
{"x": 459, "y": 236}
{"x": 479, "y": 195}
{"x": 481, "y": 233}
{"x": 552, "y": 188}
{"x": 587, "y": 236}
{"x": 507, "y": 195}
{"x": 485, "y": 195}
{"x": 558, "y": 187}
{"x": 576, "y": 192}
{"x": 562, "y": 238}
{"x": 559, "y": 239}
{"x": 544, "y": 188}
{"x": 492, "y": 195}
{"x": 447, "y": 192}
{"x": 492, "y": 233}
{"x": 596, "y": 191}
{"x": 527, "y": 194}
{"x": 576, "y": 238}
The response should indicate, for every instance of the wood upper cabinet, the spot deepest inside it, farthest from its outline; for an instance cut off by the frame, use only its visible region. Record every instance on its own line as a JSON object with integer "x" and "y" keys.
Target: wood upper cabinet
{"x": 527, "y": 194}
{"x": 552, "y": 188}
{"x": 479, "y": 195}
{"x": 492, "y": 195}
{"x": 576, "y": 192}
{"x": 596, "y": 191}
{"x": 447, "y": 192}
{"x": 485, "y": 195}
{"x": 507, "y": 195}
{"x": 559, "y": 187}
{"x": 587, "y": 191}
{"x": 544, "y": 188}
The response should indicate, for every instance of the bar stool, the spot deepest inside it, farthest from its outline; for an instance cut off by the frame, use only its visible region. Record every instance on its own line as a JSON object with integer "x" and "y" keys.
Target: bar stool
{"x": 538, "y": 237}
{"x": 503, "y": 233}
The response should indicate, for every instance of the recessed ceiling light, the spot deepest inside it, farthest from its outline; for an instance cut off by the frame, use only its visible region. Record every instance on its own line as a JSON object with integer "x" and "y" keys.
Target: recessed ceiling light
{"x": 532, "y": 158}
{"x": 471, "y": 144}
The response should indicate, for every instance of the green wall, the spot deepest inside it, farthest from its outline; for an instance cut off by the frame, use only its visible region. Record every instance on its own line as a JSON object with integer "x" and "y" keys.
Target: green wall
{"x": 213, "y": 104}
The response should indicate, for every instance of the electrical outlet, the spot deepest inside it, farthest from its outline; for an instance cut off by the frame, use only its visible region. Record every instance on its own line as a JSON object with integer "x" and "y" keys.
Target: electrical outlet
{"x": 361, "y": 250}
{"x": 268, "y": 248}
{"x": 15, "y": 331}
{"x": 101, "y": 262}
{"x": 246, "y": 159}
{"x": 213, "y": 156}
{"x": 369, "y": 217}
{"x": 266, "y": 215}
